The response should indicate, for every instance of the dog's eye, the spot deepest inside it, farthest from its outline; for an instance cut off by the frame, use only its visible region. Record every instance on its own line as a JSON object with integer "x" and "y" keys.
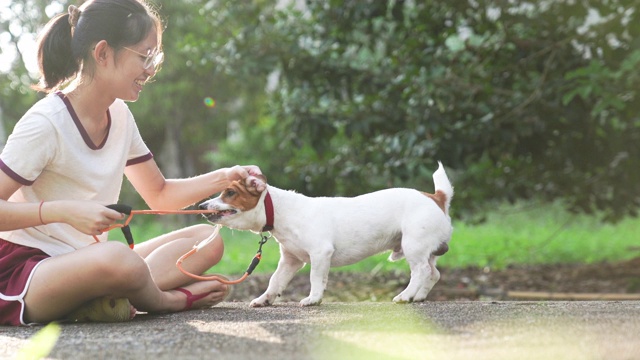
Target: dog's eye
{"x": 230, "y": 193}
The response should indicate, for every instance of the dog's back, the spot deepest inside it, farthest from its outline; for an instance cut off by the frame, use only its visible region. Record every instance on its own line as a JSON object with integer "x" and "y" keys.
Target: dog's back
{"x": 368, "y": 224}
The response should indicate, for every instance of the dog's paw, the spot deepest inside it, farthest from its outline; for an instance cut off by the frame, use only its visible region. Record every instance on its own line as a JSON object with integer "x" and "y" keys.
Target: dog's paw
{"x": 262, "y": 301}
{"x": 256, "y": 304}
{"x": 402, "y": 299}
{"x": 308, "y": 301}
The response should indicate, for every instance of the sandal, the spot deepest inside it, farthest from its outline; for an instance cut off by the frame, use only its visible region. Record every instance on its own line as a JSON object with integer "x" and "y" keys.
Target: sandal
{"x": 103, "y": 309}
{"x": 193, "y": 298}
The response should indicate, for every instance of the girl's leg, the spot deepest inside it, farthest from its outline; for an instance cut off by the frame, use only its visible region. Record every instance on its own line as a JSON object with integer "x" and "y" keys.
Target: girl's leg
{"x": 62, "y": 283}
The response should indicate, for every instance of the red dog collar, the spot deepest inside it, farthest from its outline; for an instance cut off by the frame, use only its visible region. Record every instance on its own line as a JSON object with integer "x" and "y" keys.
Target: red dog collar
{"x": 268, "y": 208}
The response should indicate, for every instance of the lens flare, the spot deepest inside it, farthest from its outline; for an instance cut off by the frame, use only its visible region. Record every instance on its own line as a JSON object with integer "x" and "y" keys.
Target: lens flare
{"x": 209, "y": 102}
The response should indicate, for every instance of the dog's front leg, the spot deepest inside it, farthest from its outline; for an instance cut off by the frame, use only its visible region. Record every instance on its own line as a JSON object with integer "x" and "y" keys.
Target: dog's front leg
{"x": 288, "y": 265}
{"x": 320, "y": 265}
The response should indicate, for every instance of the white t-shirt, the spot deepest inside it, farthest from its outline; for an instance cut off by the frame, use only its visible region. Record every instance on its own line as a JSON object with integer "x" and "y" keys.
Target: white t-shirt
{"x": 51, "y": 155}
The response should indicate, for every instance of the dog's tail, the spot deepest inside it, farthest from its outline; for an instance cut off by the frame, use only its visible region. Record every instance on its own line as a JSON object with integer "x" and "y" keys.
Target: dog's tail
{"x": 442, "y": 184}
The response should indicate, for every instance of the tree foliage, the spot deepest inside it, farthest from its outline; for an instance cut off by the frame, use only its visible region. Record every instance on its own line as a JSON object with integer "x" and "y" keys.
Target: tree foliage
{"x": 19, "y": 22}
{"x": 522, "y": 99}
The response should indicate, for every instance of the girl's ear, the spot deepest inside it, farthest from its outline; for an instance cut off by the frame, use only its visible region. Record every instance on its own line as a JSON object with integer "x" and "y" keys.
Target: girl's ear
{"x": 101, "y": 52}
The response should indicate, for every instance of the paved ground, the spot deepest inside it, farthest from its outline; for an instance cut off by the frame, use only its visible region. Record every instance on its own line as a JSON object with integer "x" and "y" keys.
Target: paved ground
{"x": 359, "y": 330}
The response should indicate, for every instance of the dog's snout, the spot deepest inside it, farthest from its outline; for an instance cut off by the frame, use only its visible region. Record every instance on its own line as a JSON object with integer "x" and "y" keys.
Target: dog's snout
{"x": 203, "y": 206}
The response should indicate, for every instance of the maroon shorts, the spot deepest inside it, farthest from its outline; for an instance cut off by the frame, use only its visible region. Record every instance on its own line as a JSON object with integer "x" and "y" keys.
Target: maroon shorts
{"x": 17, "y": 263}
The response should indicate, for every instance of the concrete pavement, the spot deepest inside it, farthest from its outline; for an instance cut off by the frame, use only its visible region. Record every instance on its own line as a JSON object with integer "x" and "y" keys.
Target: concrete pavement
{"x": 359, "y": 330}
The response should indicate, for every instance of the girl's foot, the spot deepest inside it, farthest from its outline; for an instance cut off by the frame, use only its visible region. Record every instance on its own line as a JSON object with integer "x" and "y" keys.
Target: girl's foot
{"x": 202, "y": 294}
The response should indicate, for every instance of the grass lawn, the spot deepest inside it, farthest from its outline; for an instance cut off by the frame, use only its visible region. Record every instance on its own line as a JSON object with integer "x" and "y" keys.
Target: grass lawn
{"x": 513, "y": 234}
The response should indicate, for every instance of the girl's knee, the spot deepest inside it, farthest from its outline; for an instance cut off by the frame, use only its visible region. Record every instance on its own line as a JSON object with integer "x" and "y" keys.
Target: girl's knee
{"x": 215, "y": 250}
{"x": 202, "y": 232}
{"x": 120, "y": 266}
{"x": 215, "y": 247}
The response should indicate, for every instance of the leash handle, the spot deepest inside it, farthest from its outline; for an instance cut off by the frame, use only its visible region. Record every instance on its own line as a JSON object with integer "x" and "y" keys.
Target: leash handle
{"x": 126, "y": 230}
{"x": 121, "y": 208}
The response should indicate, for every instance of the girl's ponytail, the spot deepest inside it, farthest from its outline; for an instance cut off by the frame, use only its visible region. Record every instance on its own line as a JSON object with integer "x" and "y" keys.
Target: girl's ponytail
{"x": 56, "y": 61}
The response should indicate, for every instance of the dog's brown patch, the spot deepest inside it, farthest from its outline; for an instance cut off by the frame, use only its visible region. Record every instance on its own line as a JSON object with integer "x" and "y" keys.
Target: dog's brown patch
{"x": 440, "y": 198}
{"x": 441, "y": 250}
{"x": 241, "y": 196}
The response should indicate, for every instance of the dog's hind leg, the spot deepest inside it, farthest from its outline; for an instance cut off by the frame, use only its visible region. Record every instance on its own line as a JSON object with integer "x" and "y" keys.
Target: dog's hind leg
{"x": 431, "y": 280}
{"x": 419, "y": 276}
{"x": 424, "y": 275}
{"x": 288, "y": 265}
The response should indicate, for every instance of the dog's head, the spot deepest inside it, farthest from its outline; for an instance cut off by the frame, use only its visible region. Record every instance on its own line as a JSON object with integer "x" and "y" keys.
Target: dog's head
{"x": 235, "y": 206}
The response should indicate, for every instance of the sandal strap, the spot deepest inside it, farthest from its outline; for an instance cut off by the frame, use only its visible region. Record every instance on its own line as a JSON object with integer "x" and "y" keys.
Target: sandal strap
{"x": 190, "y": 297}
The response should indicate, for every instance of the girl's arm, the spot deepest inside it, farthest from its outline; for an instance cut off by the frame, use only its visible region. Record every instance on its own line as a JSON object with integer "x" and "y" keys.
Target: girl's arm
{"x": 169, "y": 194}
{"x": 85, "y": 216}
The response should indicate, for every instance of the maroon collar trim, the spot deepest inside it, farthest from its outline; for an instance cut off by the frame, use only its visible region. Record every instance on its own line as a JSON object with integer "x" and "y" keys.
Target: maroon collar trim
{"x": 268, "y": 208}
{"x": 81, "y": 129}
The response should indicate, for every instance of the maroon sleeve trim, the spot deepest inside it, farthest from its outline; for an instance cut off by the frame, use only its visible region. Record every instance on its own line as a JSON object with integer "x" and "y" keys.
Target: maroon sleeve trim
{"x": 13, "y": 175}
{"x": 140, "y": 159}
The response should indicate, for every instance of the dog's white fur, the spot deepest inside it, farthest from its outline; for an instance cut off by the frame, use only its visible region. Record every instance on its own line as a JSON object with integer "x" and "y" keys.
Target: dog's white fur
{"x": 329, "y": 232}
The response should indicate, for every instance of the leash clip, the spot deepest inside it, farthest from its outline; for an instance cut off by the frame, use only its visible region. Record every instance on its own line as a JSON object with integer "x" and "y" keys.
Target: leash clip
{"x": 263, "y": 240}
{"x": 258, "y": 256}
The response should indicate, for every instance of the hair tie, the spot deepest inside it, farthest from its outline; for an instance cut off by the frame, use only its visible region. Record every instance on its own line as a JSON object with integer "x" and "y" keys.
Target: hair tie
{"x": 74, "y": 15}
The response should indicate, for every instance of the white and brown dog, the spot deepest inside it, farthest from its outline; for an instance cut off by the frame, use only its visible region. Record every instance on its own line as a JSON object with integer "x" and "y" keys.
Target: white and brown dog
{"x": 341, "y": 231}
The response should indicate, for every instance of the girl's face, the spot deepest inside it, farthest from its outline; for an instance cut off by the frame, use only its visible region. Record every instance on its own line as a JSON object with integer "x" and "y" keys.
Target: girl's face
{"x": 130, "y": 74}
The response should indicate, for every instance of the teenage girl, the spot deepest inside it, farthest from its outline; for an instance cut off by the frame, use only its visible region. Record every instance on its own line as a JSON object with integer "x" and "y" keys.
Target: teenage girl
{"x": 65, "y": 161}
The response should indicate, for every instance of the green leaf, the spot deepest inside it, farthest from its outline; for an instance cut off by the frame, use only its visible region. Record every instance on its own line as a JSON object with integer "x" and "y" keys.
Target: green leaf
{"x": 40, "y": 344}
{"x": 454, "y": 43}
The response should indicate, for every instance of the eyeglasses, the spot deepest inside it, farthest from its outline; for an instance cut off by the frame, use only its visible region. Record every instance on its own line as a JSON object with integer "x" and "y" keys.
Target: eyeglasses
{"x": 152, "y": 58}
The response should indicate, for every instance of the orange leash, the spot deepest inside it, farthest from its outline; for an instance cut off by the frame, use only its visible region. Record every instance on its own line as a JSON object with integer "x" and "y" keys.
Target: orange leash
{"x": 209, "y": 277}
{"x": 252, "y": 266}
{"x": 125, "y": 209}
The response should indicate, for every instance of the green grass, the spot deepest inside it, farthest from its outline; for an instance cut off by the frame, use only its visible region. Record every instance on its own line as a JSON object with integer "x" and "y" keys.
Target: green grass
{"x": 535, "y": 234}
{"x": 513, "y": 234}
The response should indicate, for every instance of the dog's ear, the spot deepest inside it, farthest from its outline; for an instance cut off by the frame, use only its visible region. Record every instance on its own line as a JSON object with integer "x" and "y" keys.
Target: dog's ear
{"x": 262, "y": 178}
{"x": 256, "y": 184}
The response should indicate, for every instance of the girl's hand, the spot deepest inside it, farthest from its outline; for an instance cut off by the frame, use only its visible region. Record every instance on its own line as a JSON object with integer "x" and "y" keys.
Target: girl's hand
{"x": 88, "y": 217}
{"x": 241, "y": 172}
